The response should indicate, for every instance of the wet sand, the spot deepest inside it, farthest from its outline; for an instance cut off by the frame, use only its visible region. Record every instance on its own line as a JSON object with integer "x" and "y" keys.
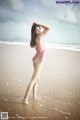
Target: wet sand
{"x": 59, "y": 84}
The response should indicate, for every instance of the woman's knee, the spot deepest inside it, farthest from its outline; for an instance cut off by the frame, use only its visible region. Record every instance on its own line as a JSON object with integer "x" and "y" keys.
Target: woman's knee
{"x": 36, "y": 74}
{"x": 33, "y": 81}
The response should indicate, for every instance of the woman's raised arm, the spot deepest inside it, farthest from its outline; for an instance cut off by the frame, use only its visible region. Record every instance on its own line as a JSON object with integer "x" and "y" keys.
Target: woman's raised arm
{"x": 46, "y": 29}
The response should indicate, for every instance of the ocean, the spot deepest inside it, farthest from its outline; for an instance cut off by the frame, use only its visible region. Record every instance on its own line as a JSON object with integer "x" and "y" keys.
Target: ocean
{"x": 71, "y": 47}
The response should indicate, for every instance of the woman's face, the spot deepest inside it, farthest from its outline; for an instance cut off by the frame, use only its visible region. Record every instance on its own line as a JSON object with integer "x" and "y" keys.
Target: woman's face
{"x": 37, "y": 30}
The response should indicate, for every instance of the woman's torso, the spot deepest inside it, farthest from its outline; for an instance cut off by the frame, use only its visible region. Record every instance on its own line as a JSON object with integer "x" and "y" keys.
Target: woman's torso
{"x": 40, "y": 50}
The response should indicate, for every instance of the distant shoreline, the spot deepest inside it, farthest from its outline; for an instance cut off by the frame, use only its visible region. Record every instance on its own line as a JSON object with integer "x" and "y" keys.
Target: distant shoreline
{"x": 65, "y": 46}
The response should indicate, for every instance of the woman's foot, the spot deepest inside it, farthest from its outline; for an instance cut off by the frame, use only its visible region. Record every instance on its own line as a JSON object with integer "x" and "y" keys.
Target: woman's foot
{"x": 24, "y": 101}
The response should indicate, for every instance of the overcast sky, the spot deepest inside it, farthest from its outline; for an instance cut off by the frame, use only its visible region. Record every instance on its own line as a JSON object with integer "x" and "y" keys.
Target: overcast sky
{"x": 17, "y": 16}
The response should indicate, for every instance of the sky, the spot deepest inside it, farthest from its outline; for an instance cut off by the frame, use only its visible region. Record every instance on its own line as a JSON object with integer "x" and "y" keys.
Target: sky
{"x": 17, "y": 17}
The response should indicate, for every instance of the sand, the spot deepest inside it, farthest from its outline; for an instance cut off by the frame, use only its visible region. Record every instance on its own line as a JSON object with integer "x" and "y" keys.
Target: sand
{"x": 59, "y": 84}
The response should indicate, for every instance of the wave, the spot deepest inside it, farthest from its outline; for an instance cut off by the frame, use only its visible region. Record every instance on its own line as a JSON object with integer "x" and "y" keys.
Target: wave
{"x": 71, "y": 47}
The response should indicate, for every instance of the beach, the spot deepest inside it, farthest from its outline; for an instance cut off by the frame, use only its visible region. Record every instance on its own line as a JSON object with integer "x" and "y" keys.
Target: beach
{"x": 59, "y": 84}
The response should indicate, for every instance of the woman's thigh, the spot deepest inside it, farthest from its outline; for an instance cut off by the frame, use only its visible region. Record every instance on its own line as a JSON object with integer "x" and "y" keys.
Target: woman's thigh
{"x": 37, "y": 69}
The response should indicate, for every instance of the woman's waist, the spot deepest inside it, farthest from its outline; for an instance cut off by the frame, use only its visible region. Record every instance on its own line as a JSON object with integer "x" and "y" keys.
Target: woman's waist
{"x": 41, "y": 52}
{"x": 40, "y": 48}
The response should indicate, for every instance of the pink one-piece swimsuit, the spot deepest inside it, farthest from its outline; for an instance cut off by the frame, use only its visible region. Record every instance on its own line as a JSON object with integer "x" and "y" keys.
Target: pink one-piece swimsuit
{"x": 40, "y": 51}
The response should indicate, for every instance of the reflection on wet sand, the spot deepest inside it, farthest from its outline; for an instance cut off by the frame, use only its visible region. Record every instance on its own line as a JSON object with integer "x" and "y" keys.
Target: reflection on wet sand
{"x": 46, "y": 108}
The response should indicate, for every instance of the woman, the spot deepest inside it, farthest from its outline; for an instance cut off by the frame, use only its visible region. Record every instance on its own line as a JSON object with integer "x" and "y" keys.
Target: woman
{"x": 37, "y": 42}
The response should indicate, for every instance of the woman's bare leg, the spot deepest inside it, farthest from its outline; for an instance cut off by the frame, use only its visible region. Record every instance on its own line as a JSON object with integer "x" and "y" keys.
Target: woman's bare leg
{"x": 29, "y": 88}
{"x": 36, "y": 84}
{"x": 35, "y": 90}
{"x": 32, "y": 82}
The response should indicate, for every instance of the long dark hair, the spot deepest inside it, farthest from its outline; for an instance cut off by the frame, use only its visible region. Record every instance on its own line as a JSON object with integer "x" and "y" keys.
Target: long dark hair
{"x": 33, "y": 35}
